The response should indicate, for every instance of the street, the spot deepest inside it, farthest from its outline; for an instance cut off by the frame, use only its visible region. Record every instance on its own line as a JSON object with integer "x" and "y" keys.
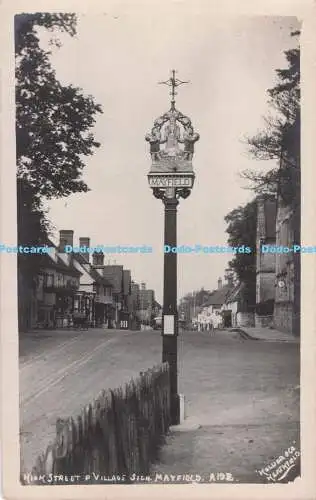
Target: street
{"x": 243, "y": 393}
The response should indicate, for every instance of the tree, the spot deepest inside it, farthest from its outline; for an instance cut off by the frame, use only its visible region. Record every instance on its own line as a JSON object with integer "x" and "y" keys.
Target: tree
{"x": 52, "y": 120}
{"x": 280, "y": 140}
{"x": 192, "y": 301}
{"x": 242, "y": 230}
{"x": 53, "y": 123}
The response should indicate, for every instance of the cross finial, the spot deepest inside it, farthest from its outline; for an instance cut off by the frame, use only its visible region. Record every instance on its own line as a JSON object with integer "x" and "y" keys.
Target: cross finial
{"x": 173, "y": 82}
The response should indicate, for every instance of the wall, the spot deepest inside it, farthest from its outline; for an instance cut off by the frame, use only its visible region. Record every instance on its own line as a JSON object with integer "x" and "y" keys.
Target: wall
{"x": 284, "y": 317}
{"x": 146, "y": 299}
{"x": 245, "y": 319}
{"x": 146, "y": 304}
{"x": 233, "y": 307}
{"x": 27, "y": 304}
{"x": 114, "y": 274}
{"x": 135, "y": 297}
{"x": 265, "y": 278}
{"x": 263, "y": 321}
{"x": 265, "y": 281}
{"x": 126, "y": 282}
{"x": 284, "y": 313}
{"x": 265, "y": 262}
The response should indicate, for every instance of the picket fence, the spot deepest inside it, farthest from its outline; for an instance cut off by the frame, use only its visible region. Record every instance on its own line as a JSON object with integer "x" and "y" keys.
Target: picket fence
{"x": 120, "y": 433}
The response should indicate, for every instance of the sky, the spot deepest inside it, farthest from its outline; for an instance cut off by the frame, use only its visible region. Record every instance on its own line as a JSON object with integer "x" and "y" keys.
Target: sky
{"x": 119, "y": 60}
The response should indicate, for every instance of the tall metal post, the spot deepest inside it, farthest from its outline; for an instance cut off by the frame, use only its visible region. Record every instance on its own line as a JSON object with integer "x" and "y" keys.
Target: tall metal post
{"x": 169, "y": 341}
{"x": 171, "y": 177}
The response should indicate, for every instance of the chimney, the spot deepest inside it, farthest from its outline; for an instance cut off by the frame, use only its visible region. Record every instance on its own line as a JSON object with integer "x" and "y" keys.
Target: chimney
{"x": 143, "y": 286}
{"x": 229, "y": 277}
{"x": 219, "y": 283}
{"x": 85, "y": 242}
{"x": 230, "y": 280}
{"x": 98, "y": 259}
{"x": 66, "y": 237}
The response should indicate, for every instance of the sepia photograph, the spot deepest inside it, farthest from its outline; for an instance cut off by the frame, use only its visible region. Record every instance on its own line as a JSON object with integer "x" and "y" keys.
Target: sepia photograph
{"x": 158, "y": 247}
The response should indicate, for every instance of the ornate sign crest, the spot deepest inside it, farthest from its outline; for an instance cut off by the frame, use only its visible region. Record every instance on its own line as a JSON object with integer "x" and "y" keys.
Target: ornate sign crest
{"x": 172, "y": 139}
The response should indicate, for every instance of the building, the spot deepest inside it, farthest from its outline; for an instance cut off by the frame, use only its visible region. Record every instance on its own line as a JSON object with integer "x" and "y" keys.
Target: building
{"x": 104, "y": 294}
{"x": 69, "y": 285}
{"x": 49, "y": 302}
{"x": 146, "y": 304}
{"x": 265, "y": 261}
{"x": 157, "y": 309}
{"x": 93, "y": 299}
{"x": 235, "y": 309}
{"x": 57, "y": 283}
{"x": 211, "y": 310}
{"x": 278, "y": 272}
{"x": 135, "y": 296}
{"x": 287, "y": 290}
{"x": 120, "y": 279}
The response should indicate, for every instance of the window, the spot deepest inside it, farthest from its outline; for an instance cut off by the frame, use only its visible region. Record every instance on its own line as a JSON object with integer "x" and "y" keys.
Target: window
{"x": 48, "y": 280}
{"x": 76, "y": 303}
{"x": 60, "y": 280}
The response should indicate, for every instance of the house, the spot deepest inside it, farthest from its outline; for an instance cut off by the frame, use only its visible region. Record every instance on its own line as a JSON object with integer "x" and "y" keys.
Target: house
{"x": 49, "y": 302}
{"x": 265, "y": 260}
{"x": 211, "y": 309}
{"x": 105, "y": 293}
{"x": 120, "y": 280}
{"x": 235, "y": 309}
{"x": 93, "y": 298}
{"x": 57, "y": 284}
{"x": 157, "y": 309}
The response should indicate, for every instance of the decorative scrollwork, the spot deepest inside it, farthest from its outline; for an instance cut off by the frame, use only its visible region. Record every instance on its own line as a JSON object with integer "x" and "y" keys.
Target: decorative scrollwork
{"x": 178, "y": 141}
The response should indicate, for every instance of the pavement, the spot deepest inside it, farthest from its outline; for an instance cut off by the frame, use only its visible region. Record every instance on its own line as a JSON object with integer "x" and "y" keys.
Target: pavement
{"x": 242, "y": 397}
{"x": 267, "y": 334}
{"x": 242, "y": 405}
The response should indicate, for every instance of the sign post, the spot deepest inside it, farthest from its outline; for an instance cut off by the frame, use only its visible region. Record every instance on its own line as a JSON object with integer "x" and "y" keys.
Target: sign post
{"x": 169, "y": 313}
{"x": 171, "y": 177}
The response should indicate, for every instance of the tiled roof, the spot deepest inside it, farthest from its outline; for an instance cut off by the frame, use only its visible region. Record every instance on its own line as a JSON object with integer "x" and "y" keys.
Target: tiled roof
{"x": 235, "y": 293}
{"x": 93, "y": 272}
{"x": 47, "y": 261}
{"x": 218, "y": 297}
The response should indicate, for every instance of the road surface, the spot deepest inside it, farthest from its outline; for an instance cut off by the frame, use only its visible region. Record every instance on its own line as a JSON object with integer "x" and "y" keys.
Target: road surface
{"x": 244, "y": 393}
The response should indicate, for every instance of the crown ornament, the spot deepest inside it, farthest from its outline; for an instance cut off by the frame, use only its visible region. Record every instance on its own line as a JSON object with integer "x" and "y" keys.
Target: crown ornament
{"x": 172, "y": 138}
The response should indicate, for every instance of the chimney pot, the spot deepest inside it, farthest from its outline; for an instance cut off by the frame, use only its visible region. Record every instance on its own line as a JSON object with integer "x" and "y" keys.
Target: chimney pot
{"x": 98, "y": 259}
{"x": 66, "y": 237}
{"x": 85, "y": 242}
